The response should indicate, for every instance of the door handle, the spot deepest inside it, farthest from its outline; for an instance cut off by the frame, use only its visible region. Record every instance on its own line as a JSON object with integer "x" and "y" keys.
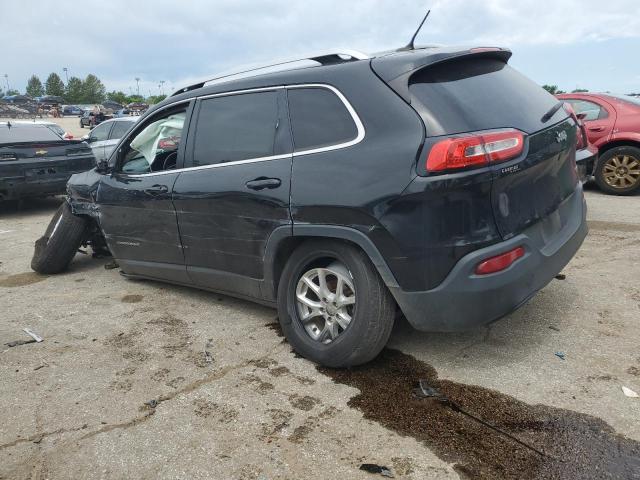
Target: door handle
{"x": 156, "y": 190}
{"x": 596, "y": 129}
{"x": 263, "y": 182}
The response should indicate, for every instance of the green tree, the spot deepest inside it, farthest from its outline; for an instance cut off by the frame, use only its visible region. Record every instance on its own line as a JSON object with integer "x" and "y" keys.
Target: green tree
{"x": 135, "y": 98}
{"x": 579, "y": 90}
{"x": 153, "y": 99}
{"x": 34, "y": 87}
{"x": 93, "y": 90}
{"x": 552, "y": 89}
{"x": 12, "y": 91}
{"x": 118, "y": 96}
{"x": 54, "y": 85}
{"x": 73, "y": 93}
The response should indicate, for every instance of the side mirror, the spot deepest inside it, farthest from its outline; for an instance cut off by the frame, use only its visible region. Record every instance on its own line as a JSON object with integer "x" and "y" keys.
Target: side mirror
{"x": 582, "y": 116}
{"x": 103, "y": 167}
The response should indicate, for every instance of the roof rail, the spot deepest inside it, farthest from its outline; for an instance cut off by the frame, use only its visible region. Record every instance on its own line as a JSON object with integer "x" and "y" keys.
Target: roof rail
{"x": 323, "y": 58}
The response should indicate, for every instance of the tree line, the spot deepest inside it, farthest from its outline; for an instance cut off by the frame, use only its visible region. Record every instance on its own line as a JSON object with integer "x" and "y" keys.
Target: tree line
{"x": 78, "y": 91}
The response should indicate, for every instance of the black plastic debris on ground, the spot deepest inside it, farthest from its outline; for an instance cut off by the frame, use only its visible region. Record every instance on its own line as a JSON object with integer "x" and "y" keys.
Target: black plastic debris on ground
{"x": 15, "y": 343}
{"x": 111, "y": 265}
{"x": 561, "y": 276}
{"x": 373, "y": 468}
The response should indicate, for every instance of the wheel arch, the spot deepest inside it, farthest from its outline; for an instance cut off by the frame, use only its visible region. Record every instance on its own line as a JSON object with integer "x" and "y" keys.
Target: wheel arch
{"x": 619, "y": 142}
{"x": 284, "y": 240}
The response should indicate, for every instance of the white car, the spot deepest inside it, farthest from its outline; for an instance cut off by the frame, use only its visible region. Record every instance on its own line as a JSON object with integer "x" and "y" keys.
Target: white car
{"x": 104, "y": 138}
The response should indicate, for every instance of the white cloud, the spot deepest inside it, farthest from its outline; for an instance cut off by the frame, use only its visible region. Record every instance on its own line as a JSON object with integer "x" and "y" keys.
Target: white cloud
{"x": 119, "y": 40}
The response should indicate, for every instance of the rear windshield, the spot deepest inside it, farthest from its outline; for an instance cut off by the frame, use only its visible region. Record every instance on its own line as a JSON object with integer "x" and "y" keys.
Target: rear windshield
{"x": 474, "y": 94}
{"x": 26, "y": 133}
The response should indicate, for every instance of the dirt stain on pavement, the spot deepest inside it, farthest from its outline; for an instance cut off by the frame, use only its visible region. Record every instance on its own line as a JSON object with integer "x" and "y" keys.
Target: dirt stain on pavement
{"x": 132, "y": 298}
{"x": 22, "y": 279}
{"x": 573, "y": 445}
{"x": 617, "y": 226}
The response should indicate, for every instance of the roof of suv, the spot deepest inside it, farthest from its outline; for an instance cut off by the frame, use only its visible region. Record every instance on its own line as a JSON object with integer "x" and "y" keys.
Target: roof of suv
{"x": 388, "y": 65}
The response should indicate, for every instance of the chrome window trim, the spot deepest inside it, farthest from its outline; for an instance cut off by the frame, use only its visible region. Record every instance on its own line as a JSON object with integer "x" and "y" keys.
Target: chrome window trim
{"x": 359, "y": 126}
{"x": 354, "y": 116}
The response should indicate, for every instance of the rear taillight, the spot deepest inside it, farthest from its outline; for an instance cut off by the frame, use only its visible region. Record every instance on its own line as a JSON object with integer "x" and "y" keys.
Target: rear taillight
{"x": 475, "y": 150}
{"x": 499, "y": 262}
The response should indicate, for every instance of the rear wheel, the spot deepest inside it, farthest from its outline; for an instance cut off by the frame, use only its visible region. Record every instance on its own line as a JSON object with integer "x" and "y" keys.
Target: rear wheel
{"x": 618, "y": 171}
{"x": 57, "y": 247}
{"x": 333, "y": 307}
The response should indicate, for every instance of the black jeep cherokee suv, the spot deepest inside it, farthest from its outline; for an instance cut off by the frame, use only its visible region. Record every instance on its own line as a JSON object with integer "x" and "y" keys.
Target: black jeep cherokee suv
{"x": 439, "y": 181}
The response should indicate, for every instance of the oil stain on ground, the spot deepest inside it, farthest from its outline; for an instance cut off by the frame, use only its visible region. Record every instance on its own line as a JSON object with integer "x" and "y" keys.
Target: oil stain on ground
{"x": 572, "y": 445}
{"x": 21, "y": 279}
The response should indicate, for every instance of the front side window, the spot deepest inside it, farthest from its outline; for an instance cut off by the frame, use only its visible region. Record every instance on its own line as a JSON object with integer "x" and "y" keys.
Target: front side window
{"x": 155, "y": 147}
{"x": 593, "y": 110}
{"x": 236, "y": 127}
{"x": 319, "y": 118}
{"x": 100, "y": 133}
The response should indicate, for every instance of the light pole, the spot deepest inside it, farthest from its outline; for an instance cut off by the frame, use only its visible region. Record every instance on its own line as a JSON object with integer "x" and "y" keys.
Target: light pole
{"x": 138, "y": 85}
{"x": 6, "y": 78}
{"x": 161, "y": 87}
{"x": 66, "y": 73}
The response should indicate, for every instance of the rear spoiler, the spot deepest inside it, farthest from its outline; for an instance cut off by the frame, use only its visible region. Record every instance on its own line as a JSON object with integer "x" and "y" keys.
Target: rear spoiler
{"x": 397, "y": 68}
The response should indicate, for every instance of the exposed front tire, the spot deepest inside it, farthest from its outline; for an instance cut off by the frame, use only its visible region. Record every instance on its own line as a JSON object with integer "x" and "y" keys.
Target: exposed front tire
{"x": 618, "y": 171}
{"x": 333, "y": 307}
{"x": 57, "y": 247}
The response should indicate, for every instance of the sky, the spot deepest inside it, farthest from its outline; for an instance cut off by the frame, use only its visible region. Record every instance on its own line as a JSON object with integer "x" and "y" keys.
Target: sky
{"x": 590, "y": 44}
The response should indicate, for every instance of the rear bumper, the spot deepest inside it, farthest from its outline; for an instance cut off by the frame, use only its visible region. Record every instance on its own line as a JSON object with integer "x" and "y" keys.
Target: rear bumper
{"x": 586, "y": 161}
{"x": 465, "y": 300}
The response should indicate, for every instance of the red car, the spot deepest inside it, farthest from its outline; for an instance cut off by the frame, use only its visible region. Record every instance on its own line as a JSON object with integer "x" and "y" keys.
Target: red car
{"x": 613, "y": 127}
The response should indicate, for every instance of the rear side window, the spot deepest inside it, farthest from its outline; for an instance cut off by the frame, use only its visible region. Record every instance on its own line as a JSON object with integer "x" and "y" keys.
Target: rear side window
{"x": 472, "y": 94}
{"x": 593, "y": 110}
{"x": 237, "y": 127}
{"x": 119, "y": 129}
{"x": 319, "y": 119}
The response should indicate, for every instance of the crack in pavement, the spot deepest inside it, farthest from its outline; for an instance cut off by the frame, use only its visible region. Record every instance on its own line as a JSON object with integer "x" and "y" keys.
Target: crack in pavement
{"x": 212, "y": 377}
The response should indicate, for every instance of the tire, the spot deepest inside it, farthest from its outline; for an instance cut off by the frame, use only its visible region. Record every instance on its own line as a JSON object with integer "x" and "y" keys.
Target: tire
{"x": 371, "y": 315}
{"x": 618, "y": 171}
{"x": 57, "y": 247}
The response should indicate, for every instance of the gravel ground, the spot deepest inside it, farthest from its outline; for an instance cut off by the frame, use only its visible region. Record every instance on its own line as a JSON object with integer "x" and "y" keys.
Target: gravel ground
{"x": 121, "y": 386}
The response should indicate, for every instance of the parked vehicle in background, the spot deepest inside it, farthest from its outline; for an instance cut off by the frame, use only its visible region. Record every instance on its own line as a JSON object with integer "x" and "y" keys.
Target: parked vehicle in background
{"x": 586, "y": 152}
{"x": 88, "y": 119}
{"x": 437, "y": 181}
{"x": 123, "y": 112}
{"x": 71, "y": 110}
{"x": 613, "y": 127}
{"x": 104, "y": 138}
{"x": 138, "y": 108}
{"x": 36, "y": 162}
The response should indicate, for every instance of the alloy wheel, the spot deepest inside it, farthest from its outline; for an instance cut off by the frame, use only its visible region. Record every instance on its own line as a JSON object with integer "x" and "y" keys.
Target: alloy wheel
{"x": 325, "y": 301}
{"x": 621, "y": 171}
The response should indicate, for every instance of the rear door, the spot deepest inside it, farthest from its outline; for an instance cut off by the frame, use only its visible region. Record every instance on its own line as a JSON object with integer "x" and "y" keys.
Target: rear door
{"x": 475, "y": 94}
{"x": 235, "y": 190}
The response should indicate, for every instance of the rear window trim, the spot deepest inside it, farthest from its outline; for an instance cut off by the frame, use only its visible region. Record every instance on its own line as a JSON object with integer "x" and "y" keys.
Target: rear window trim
{"x": 354, "y": 116}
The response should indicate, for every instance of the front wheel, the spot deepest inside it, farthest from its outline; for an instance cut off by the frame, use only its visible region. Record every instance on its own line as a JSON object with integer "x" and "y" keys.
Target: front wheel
{"x": 618, "y": 171}
{"x": 56, "y": 248}
{"x": 333, "y": 307}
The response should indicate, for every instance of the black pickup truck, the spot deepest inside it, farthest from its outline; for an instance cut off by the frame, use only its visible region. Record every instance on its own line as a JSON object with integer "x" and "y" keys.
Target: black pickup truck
{"x": 35, "y": 162}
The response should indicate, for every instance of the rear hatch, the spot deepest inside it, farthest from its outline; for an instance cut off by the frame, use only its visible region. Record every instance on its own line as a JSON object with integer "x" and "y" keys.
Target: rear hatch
{"x": 478, "y": 92}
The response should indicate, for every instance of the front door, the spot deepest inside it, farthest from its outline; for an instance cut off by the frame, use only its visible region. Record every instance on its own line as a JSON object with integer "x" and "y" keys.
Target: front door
{"x": 136, "y": 214}
{"x": 235, "y": 188}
